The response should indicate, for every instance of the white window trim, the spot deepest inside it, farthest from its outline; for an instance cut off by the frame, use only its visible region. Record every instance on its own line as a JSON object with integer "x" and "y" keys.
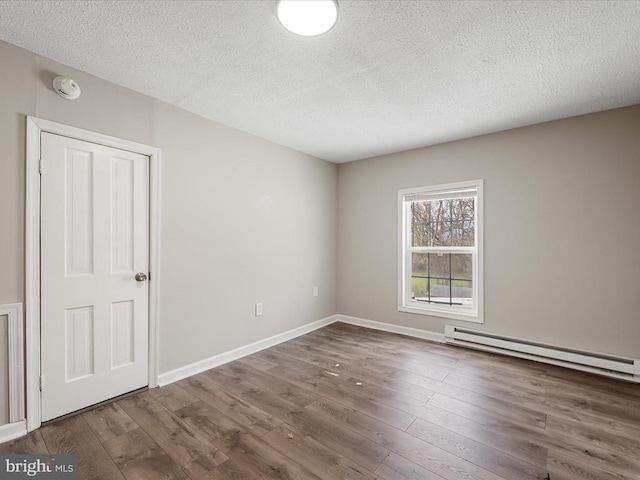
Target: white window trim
{"x": 405, "y": 304}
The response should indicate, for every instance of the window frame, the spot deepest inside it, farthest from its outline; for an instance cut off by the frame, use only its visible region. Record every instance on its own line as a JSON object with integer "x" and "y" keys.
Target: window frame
{"x": 405, "y": 249}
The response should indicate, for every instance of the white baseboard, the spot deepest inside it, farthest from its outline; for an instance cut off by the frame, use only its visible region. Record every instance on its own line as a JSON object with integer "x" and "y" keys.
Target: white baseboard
{"x": 388, "y": 327}
{"x": 226, "y": 357}
{"x": 11, "y": 431}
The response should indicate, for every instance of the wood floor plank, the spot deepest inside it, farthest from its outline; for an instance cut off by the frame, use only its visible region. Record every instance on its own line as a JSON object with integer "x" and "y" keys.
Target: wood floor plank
{"x": 173, "y": 397}
{"x": 264, "y": 399}
{"x": 214, "y": 425}
{"x": 479, "y": 423}
{"x": 503, "y": 376}
{"x": 595, "y": 382}
{"x": 109, "y": 421}
{"x": 340, "y": 355}
{"x": 591, "y": 406}
{"x": 349, "y": 365}
{"x": 596, "y": 436}
{"x": 242, "y": 371}
{"x": 382, "y": 359}
{"x": 475, "y": 452}
{"x": 177, "y": 439}
{"x": 232, "y": 469}
{"x": 567, "y": 468}
{"x": 258, "y": 421}
{"x": 392, "y": 341}
{"x": 595, "y": 393}
{"x": 257, "y": 363}
{"x": 482, "y": 408}
{"x": 73, "y": 435}
{"x": 505, "y": 440}
{"x": 139, "y": 458}
{"x": 490, "y": 361}
{"x": 396, "y": 467}
{"x": 30, "y": 443}
{"x": 522, "y": 393}
{"x": 498, "y": 400}
{"x": 394, "y": 398}
{"x": 358, "y": 448}
{"x": 250, "y": 455}
{"x": 345, "y": 367}
{"x": 322, "y": 383}
{"x": 268, "y": 462}
{"x": 428, "y": 456}
{"x": 379, "y": 362}
{"x": 326, "y": 463}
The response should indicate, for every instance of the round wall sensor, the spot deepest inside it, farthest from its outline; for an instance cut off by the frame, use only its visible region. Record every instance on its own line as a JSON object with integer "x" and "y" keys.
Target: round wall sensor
{"x": 66, "y": 88}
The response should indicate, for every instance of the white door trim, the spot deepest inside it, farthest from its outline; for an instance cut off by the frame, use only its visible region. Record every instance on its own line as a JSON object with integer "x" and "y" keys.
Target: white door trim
{"x": 35, "y": 126}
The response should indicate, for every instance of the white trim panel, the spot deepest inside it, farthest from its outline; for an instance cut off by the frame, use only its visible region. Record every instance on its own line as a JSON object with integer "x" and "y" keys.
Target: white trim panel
{"x": 583, "y": 360}
{"x": 15, "y": 341}
{"x": 226, "y": 357}
{"x": 388, "y": 327}
{"x": 11, "y": 431}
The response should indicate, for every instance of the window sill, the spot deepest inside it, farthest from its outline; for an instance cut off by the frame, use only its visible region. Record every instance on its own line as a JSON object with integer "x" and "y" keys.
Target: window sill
{"x": 472, "y": 316}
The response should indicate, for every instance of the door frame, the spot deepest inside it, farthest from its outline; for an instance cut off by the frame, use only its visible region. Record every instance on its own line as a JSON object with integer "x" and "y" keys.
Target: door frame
{"x": 36, "y": 126}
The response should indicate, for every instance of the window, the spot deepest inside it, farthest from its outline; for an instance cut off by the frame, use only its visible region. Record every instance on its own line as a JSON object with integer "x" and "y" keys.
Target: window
{"x": 440, "y": 264}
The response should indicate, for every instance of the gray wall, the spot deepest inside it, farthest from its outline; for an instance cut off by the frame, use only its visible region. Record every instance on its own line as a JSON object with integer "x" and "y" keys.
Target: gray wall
{"x": 243, "y": 220}
{"x": 562, "y": 199}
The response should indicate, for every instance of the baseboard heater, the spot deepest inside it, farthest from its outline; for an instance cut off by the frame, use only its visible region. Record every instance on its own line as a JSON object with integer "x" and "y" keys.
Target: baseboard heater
{"x": 608, "y": 365}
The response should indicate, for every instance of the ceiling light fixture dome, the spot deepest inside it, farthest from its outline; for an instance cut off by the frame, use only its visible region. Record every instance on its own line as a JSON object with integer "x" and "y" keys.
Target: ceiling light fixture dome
{"x": 307, "y": 17}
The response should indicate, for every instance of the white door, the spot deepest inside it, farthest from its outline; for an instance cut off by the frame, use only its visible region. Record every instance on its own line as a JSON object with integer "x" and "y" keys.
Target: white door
{"x": 94, "y": 241}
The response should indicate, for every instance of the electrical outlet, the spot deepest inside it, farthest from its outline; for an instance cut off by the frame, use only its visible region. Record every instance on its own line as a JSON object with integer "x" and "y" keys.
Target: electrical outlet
{"x": 315, "y": 291}
{"x": 258, "y": 309}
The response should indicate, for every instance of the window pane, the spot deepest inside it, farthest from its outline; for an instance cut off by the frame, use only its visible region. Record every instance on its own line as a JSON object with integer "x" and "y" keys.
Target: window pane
{"x": 420, "y": 216}
{"x": 440, "y": 210}
{"x": 463, "y": 234}
{"x": 418, "y": 272}
{"x": 463, "y": 208}
{"x": 419, "y": 264}
{"x": 420, "y": 234}
{"x": 440, "y": 234}
{"x": 461, "y": 266}
{"x": 443, "y": 223}
{"x": 419, "y": 288}
{"x": 462, "y": 292}
{"x": 439, "y": 265}
{"x": 439, "y": 291}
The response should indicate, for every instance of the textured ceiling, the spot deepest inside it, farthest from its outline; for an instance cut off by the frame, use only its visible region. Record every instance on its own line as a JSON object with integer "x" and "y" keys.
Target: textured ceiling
{"x": 390, "y": 76}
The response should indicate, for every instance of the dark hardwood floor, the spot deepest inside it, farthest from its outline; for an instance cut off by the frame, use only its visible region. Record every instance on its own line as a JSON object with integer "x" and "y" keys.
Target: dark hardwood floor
{"x": 345, "y": 402}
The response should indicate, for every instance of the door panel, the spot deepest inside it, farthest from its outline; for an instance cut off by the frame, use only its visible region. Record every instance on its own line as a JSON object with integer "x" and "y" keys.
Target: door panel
{"x": 94, "y": 320}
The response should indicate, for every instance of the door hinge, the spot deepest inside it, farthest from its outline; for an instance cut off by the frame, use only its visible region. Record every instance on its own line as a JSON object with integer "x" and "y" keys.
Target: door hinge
{"x": 40, "y": 166}
{"x": 40, "y": 382}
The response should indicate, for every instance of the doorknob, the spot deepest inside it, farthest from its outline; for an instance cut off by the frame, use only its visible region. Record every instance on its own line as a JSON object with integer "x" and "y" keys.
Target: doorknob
{"x": 141, "y": 277}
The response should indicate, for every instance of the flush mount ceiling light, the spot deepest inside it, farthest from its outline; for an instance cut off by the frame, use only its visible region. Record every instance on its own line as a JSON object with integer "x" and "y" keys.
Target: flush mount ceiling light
{"x": 307, "y": 17}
